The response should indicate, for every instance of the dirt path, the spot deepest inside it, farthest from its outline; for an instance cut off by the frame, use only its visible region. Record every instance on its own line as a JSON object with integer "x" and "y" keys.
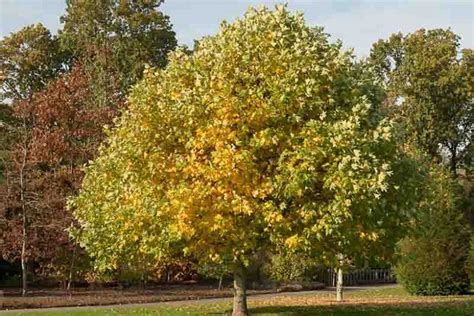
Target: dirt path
{"x": 197, "y": 301}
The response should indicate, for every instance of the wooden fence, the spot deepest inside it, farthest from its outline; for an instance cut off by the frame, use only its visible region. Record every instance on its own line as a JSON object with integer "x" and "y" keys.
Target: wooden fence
{"x": 357, "y": 277}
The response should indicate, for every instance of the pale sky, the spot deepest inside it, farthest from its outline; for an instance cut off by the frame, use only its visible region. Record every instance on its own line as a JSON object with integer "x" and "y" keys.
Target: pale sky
{"x": 357, "y": 23}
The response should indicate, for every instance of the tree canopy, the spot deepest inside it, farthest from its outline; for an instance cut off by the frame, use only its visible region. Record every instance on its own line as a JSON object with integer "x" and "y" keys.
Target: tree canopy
{"x": 262, "y": 138}
{"x": 118, "y": 35}
{"x": 29, "y": 58}
{"x": 430, "y": 90}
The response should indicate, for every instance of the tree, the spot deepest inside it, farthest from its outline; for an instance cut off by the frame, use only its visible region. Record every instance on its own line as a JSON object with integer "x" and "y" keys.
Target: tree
{"x": 29, "y": 58}
{"x": 59, "y": 132}
{"x": 262, "y": 138}
{"x": 117, "y": 35}
{"x": 430, "y": 90}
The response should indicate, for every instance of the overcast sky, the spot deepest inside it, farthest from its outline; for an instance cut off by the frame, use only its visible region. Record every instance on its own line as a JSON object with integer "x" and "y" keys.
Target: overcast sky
{"x": 357, "y": 23}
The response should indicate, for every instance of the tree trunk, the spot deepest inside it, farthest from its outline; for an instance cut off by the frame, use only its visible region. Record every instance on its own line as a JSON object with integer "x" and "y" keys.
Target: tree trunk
{"x": 168, "y": 275}
{"x": 339, "y": 296}
{"x": 24, "y": 224}
{"x": 23, "y": 262}
{"x": 240, "y": 292}
{"x": 453, "y": 161}
{"x": 219, "y": 288}
{"x": 453, "y": 165}
{"x": 72, "y": 266}
{"x": 340, "y": 279}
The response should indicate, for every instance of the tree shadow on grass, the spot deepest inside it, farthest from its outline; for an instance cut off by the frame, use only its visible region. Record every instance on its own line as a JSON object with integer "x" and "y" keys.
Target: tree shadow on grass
{"x": 409, "y": 308}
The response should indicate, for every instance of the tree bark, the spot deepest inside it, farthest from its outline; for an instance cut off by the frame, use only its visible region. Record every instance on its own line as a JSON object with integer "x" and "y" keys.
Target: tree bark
{"x": 240, "y": 292}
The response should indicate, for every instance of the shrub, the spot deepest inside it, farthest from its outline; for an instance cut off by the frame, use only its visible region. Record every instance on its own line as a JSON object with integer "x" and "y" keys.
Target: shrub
{"x": 432, "y": 269}
{"x": 470, "y": 262}
{"x": 433, "y": 258}
{"x": 291, "y": 267}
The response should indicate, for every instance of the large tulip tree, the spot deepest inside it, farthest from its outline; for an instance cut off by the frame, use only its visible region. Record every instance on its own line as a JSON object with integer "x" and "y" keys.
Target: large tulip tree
{"x": 262, "y": 138}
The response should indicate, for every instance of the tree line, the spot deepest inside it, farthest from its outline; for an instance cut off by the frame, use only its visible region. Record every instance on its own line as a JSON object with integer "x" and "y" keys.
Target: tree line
{"x": 58, "y": 93}
{"x": 266, "y": 142}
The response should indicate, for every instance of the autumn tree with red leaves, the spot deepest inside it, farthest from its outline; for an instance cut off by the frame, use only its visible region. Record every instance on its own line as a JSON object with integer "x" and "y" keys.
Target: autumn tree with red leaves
{"x": 59, "y": 131}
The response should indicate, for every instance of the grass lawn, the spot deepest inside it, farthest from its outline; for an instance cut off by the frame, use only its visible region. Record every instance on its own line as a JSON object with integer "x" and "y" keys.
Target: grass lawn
{"x": 387, "y": 301}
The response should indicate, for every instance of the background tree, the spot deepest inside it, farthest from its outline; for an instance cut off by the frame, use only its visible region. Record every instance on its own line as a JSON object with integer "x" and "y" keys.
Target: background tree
{"x": 430, "y": 90}
{"x": 112, "y": 41}
{"x": 117, "y": 35}
{"x": 261, "y": 138}
{"x": 29, "y": 58}
{"x": 61, "y": 132}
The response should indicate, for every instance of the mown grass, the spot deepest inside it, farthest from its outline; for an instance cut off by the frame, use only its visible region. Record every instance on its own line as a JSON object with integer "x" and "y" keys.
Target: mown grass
{"x": 386, "y": 301}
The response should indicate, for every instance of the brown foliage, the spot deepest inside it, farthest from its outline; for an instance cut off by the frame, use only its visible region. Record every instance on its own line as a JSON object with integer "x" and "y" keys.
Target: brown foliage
{"x": 59, "y": 131}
